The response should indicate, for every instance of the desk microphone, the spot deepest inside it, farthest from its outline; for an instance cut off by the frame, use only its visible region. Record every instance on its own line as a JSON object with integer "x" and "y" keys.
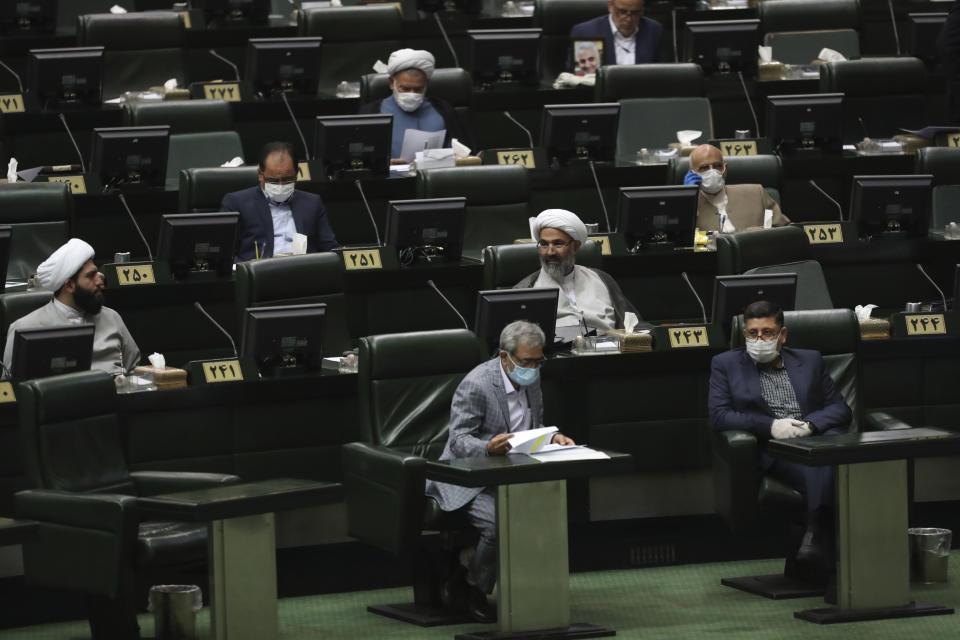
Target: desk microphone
{"x": 449, "y": 304}
{"x": 200, "y": 308}
{"x": 525, "y": 130}
{"x": 893, "y": 22}
{"x": 703, "y": 310}
{"x": 827, "y": 196}
{"x": 603, "y": 204}
{"x": 296, "y": 125}
{"x": 63, "y": 119}
{"x": 673, "y": 24}
{"x": 446, "y": 38}
{"x": 236, "y": 71}
{"x": 746, "y": 94}
{"x": 935, "y": 286}
{"x": 373, "y": 222}
{"x": 136, "y": 226}
{"x": 863, "y": 125}
{"x": 14, "y": 74}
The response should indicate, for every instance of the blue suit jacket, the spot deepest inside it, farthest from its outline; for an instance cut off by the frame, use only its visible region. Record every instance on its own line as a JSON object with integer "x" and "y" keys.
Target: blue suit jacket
{"x": 648, "y": 36}
{"x": 256, "y": 222}
{"x": 736, "y": 401}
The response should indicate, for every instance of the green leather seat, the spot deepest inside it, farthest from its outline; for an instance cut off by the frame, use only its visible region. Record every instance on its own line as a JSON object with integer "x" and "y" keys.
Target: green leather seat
{"x": 39, "y": 214}
{"x": 556, "y": 18}
{"x": 803, "y": 47}
{"x": 201, "y": 133}
{"x": 14, "y": 306}
{"x": 798, "y": 29}
{"x": 943, "y": 163}
{"x": 68, "y": 12}
{"x": 497, "y": 201}
{"x": 143, "y": 49}
{"x": 656, "y": 80}
{"x": 91, "y": 539}
{"x": 507, "y": 264}
{"x": 887, "y": 93}
{"x": 202, "y": 190}
{"x": 307, "y": 279}
{"x": 766, "y": 170}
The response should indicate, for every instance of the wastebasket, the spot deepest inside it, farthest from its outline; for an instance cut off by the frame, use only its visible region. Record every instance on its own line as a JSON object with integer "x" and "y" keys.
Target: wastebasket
{"x": 929, "y": 553}
{"x": 174, "y": 608}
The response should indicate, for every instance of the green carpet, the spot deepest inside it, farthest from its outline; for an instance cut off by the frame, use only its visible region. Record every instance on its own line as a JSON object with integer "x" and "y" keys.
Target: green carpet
{"x": 661, "y": 603}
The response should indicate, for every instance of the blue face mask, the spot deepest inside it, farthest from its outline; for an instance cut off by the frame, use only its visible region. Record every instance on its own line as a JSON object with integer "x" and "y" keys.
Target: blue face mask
{"x": 692, "y": 177}
{"x": 523, "y": 376}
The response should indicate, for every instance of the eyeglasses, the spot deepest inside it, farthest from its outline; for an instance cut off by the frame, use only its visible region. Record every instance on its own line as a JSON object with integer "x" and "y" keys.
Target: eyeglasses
{"x": 763, "y": 334}
{"x": 556, "y": 245}
{"x": 529, "y": 363}
{"x": 281, "y": 180}
{"x": 627, "y": 13}
{"x": 706, "y": 167}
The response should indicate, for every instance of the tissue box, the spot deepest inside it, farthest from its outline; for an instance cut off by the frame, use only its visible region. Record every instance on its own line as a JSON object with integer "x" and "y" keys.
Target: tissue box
{"x": 166, "y": 378}
{"x": 875, "y": 329}
{"x": 911, "y": 142}
{"x": 633, "y": 342}
{"x": 770, "y": 70}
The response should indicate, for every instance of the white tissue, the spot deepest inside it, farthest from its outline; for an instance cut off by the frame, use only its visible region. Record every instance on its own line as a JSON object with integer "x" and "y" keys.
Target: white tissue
{"x": 299, "y": 246}
{"x": 379, "y": 66}
{"x": 460, "y": 150}
{"x": 765, "y": 53}
{"x": 951, "y": 231}
{"x": 566, "y": 79}
{"x": 336, "y": 3}
{"x": 863, "y": 311}
{"x": 236, "y": 162}
{"x": 117, "y": 9}
{"x": 12, "y": 170}
{"x": 170, "y": 84}
{"x": 157, "y": 361}
{"x": 435, "y": 159}
{"x": 830, "y": 55}
{"x": 767, "y": 218}
{"x": 687, "y": 136}
{"x": 630, "y": 321}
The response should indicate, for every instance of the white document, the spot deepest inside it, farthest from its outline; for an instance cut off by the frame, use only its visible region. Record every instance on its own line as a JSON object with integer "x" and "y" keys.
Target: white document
{"x": 531, "y": 440}
{"x": 299, "y": 246}
{"x": 416, "y": 140}
{"x": 561, "y": 454}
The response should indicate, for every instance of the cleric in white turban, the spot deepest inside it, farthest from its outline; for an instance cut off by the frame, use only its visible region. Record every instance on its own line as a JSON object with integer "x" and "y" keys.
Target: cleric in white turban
{"x": 589, "y": 298}
{"x": 409, "y": 72}
{"x": 77, "y": 287}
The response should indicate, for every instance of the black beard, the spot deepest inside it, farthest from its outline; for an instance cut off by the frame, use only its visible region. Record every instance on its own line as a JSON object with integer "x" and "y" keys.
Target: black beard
{"x": 90, "y": 302}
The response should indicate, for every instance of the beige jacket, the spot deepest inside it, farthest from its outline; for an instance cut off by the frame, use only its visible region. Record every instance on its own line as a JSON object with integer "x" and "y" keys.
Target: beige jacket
{"x": 745, "y": 205}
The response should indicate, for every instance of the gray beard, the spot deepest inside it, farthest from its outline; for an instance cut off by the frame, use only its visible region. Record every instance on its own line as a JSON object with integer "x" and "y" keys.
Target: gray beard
{"x": 558, "y": 270}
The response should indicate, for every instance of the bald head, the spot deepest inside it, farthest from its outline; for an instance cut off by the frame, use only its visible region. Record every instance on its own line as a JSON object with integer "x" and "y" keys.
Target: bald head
{"x": 706, "y": 157}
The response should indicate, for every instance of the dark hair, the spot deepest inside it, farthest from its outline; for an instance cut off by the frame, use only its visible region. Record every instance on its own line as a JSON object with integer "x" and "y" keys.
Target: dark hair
{"x": 276, "y": 147}
{"x": 764, "y": 309}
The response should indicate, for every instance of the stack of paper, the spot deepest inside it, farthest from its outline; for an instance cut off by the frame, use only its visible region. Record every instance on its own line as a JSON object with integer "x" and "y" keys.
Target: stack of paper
{"x": 536, "y": 444}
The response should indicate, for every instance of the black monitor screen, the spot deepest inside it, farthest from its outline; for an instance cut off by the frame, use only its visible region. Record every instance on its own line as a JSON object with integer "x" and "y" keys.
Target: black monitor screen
{"x": 6, "y": 232}
{"x": 731, "y": 294}
{"x": 427, "y": 230}
{"x": 285, "y": 337}
{"x": 283, "y": 65}
{"x": 723, "y": 45}
{"x": 198, "y": 242}
{"x": 58, "y": 78}
{"x": 891, "y": 204}
{"x": 652, "y": 216}
{"x": 497, "y": 308}
{"x": 28, "y": 17}
{"x": 806, "y": 121}
{"x": 922, "y": 35}
{"x": 233, "y": 12}
{"x": 580, "y": 131}
{"x": 38, "y": 353}
{"x": 354, "y": 143}
{"x": 130, "y": 155}
{"x": 505, "y": 55}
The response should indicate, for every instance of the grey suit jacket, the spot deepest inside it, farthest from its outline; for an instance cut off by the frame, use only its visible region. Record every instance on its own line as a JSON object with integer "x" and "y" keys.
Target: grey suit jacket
{"x": 479, "y": 411}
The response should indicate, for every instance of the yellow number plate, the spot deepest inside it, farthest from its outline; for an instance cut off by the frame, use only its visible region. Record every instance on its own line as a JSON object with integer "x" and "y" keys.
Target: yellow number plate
{"x": 228, "y": 91}
{"x": 604, "y": 242}
{"x": 523, "y": 157}
{"x": 187, "y": 24}
{"x": 76, "y": 183}
{"x": 926, "y": 324}
{"x": 222, "y": 371}
{"x": 303, "y": 171}
{"x": 740, "y": 148}
{"x": 11, "y": 103}
{"x": 953, "y": 140}
{"x": 681, "y": 337}
{"x": 135, "y": 274}
{"x": 6, "y": 393}
{"x": 823, "y": 233}
{"x": 362, "y": 259}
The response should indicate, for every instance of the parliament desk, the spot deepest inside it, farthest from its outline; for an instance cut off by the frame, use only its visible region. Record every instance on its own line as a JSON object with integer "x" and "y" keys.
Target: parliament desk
{"x": 873, "y": 575}
{"x": 533, "y": 576}
{"x": 16, "y": 531}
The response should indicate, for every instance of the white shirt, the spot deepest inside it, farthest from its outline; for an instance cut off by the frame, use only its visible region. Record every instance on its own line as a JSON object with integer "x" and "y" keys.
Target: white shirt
{"x": 583, "y": 296}
{"x": 719, "y": 200}
{"x": 625, "y": 47}
{"x": 517, "y": 404}
{"x": 284, "y": 228}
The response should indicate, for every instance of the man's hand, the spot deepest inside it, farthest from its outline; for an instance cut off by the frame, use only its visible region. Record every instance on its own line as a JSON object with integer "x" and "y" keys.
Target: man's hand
{"x": 499, "y": 444}
{"x": 398, "y": 161}
{"x": 788, "y": 428}
{"x": 559, "y": 438}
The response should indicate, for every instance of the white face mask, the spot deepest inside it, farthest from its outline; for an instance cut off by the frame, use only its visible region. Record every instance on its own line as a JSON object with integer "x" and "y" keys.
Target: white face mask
{"x": 762, "y": 351}
{"x": 712, "y": 181}
{"x": 409, "y": 101}
{"x": 278, "y": 192}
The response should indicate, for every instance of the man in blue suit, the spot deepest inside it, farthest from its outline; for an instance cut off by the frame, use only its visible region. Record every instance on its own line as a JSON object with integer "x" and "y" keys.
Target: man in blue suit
{"x": 628, "y": 37}
{"x": 273, "y": 212}
{"x": 778, "y": 392}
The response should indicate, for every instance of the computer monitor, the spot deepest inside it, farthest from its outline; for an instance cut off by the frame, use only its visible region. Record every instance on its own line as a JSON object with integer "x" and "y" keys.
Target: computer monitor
{"x": 496, "y": 308}
{"x": 428, "y": 230}
{"x": 59, "y": 78}
{"x": 123, "y": 156}
{"x": 27, "y": 17}
{"x": 896, "y": 204}
{"x": 500, "y": 56}
{"x": 283, "y": 65}
{"x": 922, "y": 35}
{"x": 731, "y": 294}
{"x": 198, "y": 243}
{"x": 664, "y": 216}
{"x": 354, "y": 143}
{"x": 38, "y": 353}
{"x": 288, "y": 337}
{"x": 811, "y": 121}
{"x": 580, "y": 131}
{"x": 222, "y": 13}
{"x": 723, "y": 46}
{"x": 6, "y": 232}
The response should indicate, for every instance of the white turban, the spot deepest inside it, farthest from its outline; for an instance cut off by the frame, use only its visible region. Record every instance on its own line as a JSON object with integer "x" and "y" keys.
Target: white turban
{"x": 561, "y": 219}
{"x": 404, "y": 59}
{"x": 63, "y": 263}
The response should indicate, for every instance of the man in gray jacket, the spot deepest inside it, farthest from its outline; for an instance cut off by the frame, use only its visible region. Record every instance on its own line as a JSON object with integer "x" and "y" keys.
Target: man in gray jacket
{"x": 495, "y": 400}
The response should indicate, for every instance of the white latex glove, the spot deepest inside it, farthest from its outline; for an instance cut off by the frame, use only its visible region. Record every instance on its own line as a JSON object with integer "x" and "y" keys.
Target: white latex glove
{"x": 788, "y": 428}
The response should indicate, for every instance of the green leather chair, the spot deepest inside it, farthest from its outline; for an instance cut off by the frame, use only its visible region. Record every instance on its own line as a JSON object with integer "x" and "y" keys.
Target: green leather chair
{"x": 40, "y": 214}
{"x": 68, "y": 12}
{"x": 797, "y": 29}
{"x": 887, "y": 93}
{"x": 766, "y": 170}
{"x": 14, "y": 306}
{"x": 353, "y": 37}
{"x": 803, "y": 47}
{"x": 556, "y": 18}
{"x": 943, "y": 163}
{"x": 406, "y": 385}
{"x": 497, "y": 201}
{"x": 91, "y": 539}
{"x": 202, "y": 190}
{"x": 143, "y": 49}
{"x": 307, "y": 279}
{"x": 507, "y": 264}
{"x": 201, "y": 133}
